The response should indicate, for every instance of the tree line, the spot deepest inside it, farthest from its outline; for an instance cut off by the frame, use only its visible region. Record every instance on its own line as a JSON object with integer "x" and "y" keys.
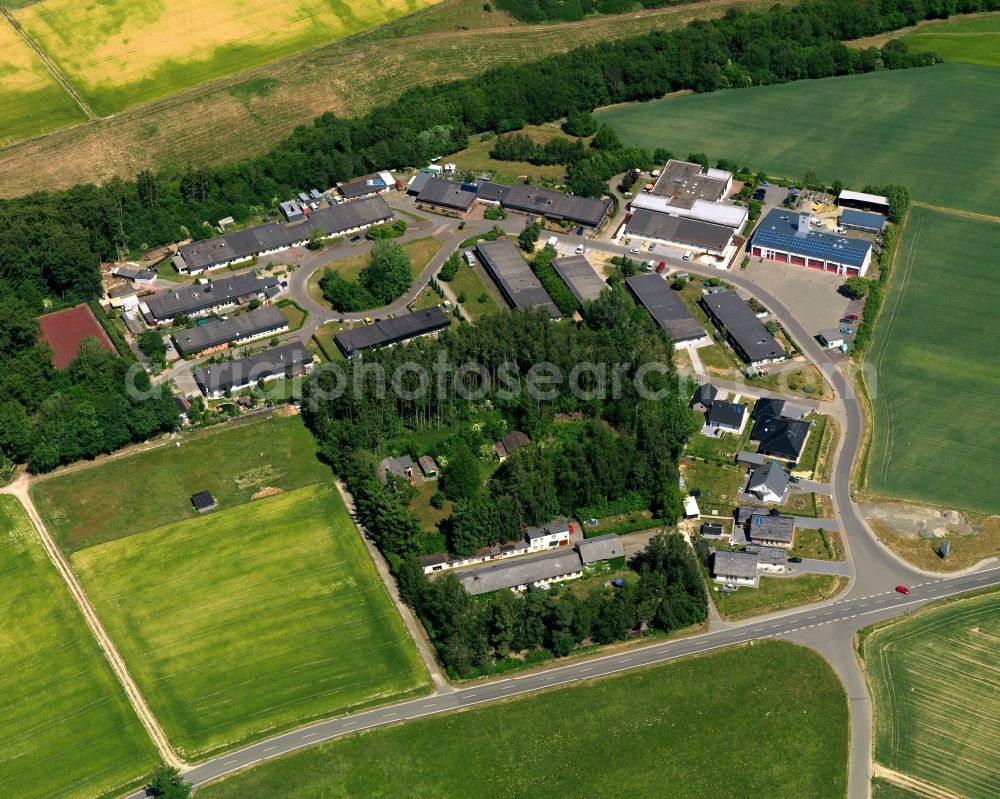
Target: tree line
{"x": 479, "y": 635}
{"x": 51, "y": 243}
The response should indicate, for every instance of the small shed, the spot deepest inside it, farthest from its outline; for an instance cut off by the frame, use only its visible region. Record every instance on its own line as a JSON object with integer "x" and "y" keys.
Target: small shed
{"x": 203, "y": 501}
{"x": 712, "y": 530}
{"x": 428, "y": 466}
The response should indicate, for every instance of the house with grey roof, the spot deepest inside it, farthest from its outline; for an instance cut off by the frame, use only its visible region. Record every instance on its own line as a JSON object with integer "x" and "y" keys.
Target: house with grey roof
{"x": 703, "y": 397}
{"x": 234, "y": 331}
{"x": 768, "y": 483}
{"x": 520, "y": 287}
{"x": 519, "y": 574}
{"x": 602, "y": 552}
{"x": 554, "y": 534}
{"x": 401, "y": 467}
{"x": 288, "y": 361}
{"x": 735, "y": 568}
{"x": 770, "y": 559}
{"x": 781, "y": 438}
{"x": 514, "y": 440}
{"x": 726, "y": 416}
{"x": 212, "y": 296}
{"x": 772, "y": 530}
{"x": 745, "y": 333}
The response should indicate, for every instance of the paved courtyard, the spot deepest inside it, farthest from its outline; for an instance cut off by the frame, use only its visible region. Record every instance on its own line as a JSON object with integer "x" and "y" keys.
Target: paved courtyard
{"x": 812, "y": 294}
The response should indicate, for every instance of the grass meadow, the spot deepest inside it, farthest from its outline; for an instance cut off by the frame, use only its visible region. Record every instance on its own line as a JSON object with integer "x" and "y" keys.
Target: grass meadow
{"x": 120, "y": 53}
{"x": 933, "y": 130}
{"x": 776, "y": 593}
{"x": 68, "y": 729}
{"x": 969, "y": 41}
{"x": 31, "y": 101}
{"x": 935, "y": 682}
{"x": 647, "y": 729}
{"x": 123, "y": 496}
{"x": 935, "y": 362}
{"x": 252, "y": 620}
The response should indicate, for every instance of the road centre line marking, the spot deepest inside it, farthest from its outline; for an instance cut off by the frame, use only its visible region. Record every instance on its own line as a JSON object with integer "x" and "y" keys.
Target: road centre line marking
{"x": 310, "y": 735}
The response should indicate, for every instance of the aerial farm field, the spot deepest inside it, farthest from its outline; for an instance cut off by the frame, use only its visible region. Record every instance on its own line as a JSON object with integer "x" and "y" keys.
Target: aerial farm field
{"x": 251, "y": 620}
{"x": 912, "y": 119}
{"x": 935, "y": 682}
{"x": 119, "y": 53}
{"x": 628, "y": 735}
{"x": 31, "y": 101}
{"x": 935, "y": 381}
{"x": 92, "y": 503}
{"x": 971, "y": 41}
{"x": 57, "y": 689}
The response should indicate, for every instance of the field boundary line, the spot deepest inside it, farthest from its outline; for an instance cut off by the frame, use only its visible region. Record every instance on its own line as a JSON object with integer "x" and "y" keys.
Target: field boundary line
{"x": 958, "y": 212}
{"x": 59, "y": 78}
{"x": 19, "y": 490}
{"x": 913, "y": 784}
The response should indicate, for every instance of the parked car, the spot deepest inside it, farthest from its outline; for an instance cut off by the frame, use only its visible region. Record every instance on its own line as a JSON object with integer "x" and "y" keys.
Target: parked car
{"x": 579, "y": 249}
{"x": 795, "y": 560}
{"x": 661, "y": 266}
{"x": 579, "y": 231}
{"x": 634, "y": 251}
{"x": 652, "y": 246}
{"x": 902, "y": 589}
{"x": 852, "y": 317}
{"x": 846, "y": 331}
{"x": 356, "y": 238}
{"x": 688, "y": 255}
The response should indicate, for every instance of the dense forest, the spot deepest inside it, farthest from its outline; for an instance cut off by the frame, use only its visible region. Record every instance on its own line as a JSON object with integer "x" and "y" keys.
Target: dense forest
{"x": 50, "y": 417}
{"x": 52, "y": 242}
{"x": 593, "y": 452}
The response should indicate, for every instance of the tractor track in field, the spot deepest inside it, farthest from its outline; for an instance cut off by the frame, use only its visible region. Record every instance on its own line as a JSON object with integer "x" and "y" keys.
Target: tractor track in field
{"x": 59, "y": 78}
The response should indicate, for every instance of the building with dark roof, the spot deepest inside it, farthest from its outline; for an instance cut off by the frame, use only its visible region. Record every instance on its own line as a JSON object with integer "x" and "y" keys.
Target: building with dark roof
{"x": 491, "y": 193}
{"x": 781, "y": 438}
{"x": 287, "y": 361}
{"x": 518, "y": 574}
{"x": 862, "y": 220}
{"x": 744, "y": 331}
{"x": 703, "y": 397}
{"x": 770, "y": 559}
{"x": 386, "y": 332}
{"x": 738, "y": 568}
{"x": 514, "y": 440}
{"x": 682, "y": 231}
{"x": 203, "y": 501}
{"x": 204, "y": 298}
{"x": 242, "y": 245}
{"x": 712, "y": 530}
{"x": 428, "y": 466}
{"x": 771, "y": 530}
{"x": 666, "y": 307}
{"x": 725, "y": 415}
{"x": 602, "y": 549}
{"x": 401, "y": 467}
{"x": 577, "y": 273}
{"x": 448, "y": 194}
{"x": 790, "y": 238}
{"x": 863, "y": 201}
{"x": 778, "y": 409}
{"x": 237, "y": 330}
{"x": 768, "y": 483}
{"x": 556, "y": 205}
{"x": 518, "y": 284}
{"x": 366, "y": 186}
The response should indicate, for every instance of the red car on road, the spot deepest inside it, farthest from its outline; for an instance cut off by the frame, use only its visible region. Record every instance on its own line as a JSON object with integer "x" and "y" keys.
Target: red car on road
{"x": 902, "y": 589}
{"x": 661, "y": 266}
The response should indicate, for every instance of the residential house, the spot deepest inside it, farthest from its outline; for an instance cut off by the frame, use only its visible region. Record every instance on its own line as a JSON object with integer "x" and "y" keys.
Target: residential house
{"x": 768, "y": 483}
{"x": 514, "y": 440}
{"x": 735, "y": 568}
{"x": 602, "y": 552}
{"x": 712, "y": 530}
{"x": 781, "y": 438}
{"x": 770, "y": 559}
{"x": 772, "y": 530}
{"x": 726, "y": 416}
{"x": 703, "y": 397}
{"x": 554, "y": 534}
{"x": 401, "y": 467}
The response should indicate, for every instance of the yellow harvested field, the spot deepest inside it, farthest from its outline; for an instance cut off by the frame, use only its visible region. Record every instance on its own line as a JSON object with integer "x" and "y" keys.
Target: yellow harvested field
{"x": 31, "y": 101}
{"x": 118, "y": 53}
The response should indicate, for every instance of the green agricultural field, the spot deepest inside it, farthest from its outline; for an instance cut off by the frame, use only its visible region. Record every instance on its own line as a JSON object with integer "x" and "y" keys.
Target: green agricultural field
{"x": 933, "y": 130}
{"x": 68, "y": 729}
{"x": 935, "y": 682}
{"x": 969, "y": 41}
{"x": 628, "y": 735}
{"x": 936, "y": 380}
{"x": 119, "y": 53}
{"x": 252, "y": 620}
{"x": 124, "y": 496}
{"x": 31, "y": 101}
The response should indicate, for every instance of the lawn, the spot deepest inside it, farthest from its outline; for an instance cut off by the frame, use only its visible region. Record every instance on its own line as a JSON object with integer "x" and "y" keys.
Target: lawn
{"x": 776, "y": 593}
{"x": 252, "y": 620}
{"x": 935, "y": 683}
{"x": 31, "y": 101}
{"x": 480, "y": 298}
{"x": 911, "y": 118}
{"x": 804, "y": 382}
{"x": 964, "y": 550}
{"x": 293, "y": 312}
{"x": 719, "y": 484}
{"x": 935, "y": 361}
{"x": 649, "y": 729}
{"x": 324, "y": 339}
{"x": 816, "y": 545}
{"x": 806, "y": 465}
{"x": 127, "y": 495}
{"x": 68, "y": 729}
{"x": 421, "y": 251}
{"x": 428, "y": 515}
{"x": 970, "y": 41}
{"x": 121, "y": 53}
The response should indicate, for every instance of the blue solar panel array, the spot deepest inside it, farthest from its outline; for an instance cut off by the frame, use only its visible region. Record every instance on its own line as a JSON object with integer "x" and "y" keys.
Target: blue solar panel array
{"x": 779, "y": 231}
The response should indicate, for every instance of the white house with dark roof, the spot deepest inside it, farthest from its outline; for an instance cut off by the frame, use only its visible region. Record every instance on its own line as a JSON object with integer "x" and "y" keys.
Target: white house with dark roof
{"x": 549, "y": 536}
{"x": 768, "y": 483}
{"x": 736, "y": 568}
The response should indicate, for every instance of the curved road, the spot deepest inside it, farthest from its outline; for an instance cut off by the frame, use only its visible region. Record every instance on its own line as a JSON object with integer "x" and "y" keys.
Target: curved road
{"x": 828, "y": 627}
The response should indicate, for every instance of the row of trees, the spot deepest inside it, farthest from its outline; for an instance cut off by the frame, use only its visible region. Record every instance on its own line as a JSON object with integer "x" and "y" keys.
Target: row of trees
{"x": 474, "y": 635}
{"x": 52, "y": 242}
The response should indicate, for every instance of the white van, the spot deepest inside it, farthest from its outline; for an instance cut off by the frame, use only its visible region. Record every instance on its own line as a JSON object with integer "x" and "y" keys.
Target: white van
{"x": 470, "y": 259}
{"x": 688, "y": 255}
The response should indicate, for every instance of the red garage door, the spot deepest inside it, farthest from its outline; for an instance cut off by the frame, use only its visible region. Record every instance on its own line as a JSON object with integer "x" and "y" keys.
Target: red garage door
{"x": 853, "y": 270}
{"x": 780, "y": 256}
{"x": 814, "y": 264}
{"x": 831, "y": 267}
{"x": 756, "y": 251}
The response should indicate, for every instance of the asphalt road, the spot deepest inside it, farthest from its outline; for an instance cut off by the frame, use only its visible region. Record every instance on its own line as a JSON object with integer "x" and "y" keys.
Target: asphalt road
{"x": 812, "y": 626}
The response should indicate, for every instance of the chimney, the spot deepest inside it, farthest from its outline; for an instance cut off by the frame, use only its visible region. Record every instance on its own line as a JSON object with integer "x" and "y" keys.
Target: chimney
{"x": 803, "y": 227}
